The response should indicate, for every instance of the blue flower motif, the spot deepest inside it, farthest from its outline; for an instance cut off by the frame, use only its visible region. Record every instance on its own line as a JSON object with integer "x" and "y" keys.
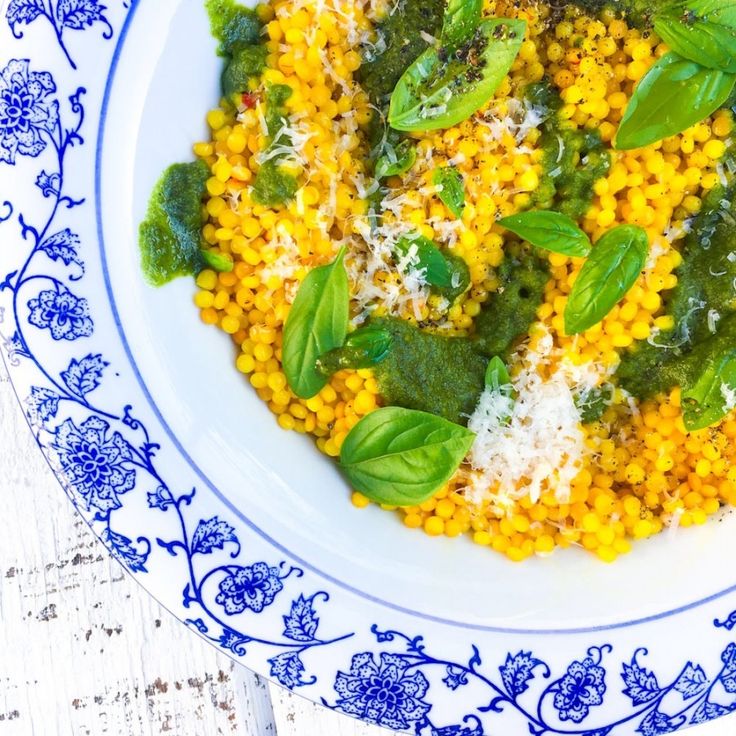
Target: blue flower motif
{"x": 27, "y": 110}
{"x": 579, "y": 690}
{"x": 384, "y": 694}
{"x": 95, "y": 465}
{"x": 58, "y": 310}
{"x": 252, "y": 587}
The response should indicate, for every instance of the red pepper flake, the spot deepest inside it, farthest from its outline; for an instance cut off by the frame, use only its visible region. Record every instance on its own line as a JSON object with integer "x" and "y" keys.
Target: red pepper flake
{"x": 249, "y": 100}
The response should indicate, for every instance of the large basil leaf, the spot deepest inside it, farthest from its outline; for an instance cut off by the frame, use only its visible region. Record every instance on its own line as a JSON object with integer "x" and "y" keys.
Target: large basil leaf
{"x": 439, "y": 91}
{"x": 706, "y": 402}
{"x": 702, "y": 39}
{"x": 461, "y": 21}
{"x": 401, "y": 456}
{"x": 317, "y": 323}
{"x": 610, "y": 271}
{"x": 549, "y": 230}
{"x": 428, "y": 257}
{"x": 396, "y": 161}
{"x": 673, "y": 95}
{"x": 450, "y": 189}
{"x": 364, "y": 348}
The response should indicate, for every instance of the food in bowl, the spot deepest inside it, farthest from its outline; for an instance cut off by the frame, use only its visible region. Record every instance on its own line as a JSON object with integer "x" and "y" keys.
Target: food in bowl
{"x": 483, "y": 252}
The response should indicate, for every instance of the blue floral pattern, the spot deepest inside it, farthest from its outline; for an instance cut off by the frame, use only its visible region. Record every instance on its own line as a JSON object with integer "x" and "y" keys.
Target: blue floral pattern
{"x": 579, "y": 690}
{"x": 63, "y": 314}
{"x": 28, "y": 111}
{"x": 253, "y": 587}
{"x": 108, "y": 461}
{"x": 383, "y": 692}
{"x": 95, "y": 464}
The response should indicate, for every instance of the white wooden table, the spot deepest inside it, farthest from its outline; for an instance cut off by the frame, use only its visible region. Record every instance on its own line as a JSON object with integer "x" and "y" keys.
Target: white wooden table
{"x": 85, "y": 651}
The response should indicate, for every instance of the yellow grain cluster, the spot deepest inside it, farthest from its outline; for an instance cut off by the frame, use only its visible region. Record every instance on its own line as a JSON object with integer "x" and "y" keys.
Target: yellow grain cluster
{"x": 646, "y": 472}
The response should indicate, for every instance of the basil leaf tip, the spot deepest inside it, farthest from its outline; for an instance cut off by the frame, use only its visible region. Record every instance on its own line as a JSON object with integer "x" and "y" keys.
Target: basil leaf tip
{"x": 440, "y": 90}
{"x": 614, "y": 265}
{"x": 400, "y": 457}
{"x": 710, "y": 396}
{"x": 316, "y": 324}
{"x": 396, "y": 161}
{"x": 551, "y": 231}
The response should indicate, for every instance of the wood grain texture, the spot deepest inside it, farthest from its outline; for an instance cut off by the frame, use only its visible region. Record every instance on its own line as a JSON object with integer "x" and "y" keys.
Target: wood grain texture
{"x": 84, "y": 651}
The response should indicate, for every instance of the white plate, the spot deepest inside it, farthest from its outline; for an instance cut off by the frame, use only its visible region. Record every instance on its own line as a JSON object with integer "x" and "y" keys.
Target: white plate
{"x": 243, "y": 531}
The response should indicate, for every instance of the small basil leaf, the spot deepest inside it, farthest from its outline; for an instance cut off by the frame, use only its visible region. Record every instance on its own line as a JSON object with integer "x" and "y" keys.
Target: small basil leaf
{"x": 316, "y": 324}
{"x": 672, "y": 96}
{"x": 396, "y": 161}
{"x": 217, "y": 261}
{"x": 461, "y": 21}
{"x": 706, "y": 402}
{"x": 428, "y": 257}
{"x": 497, "y": 375}
{"x": 549, "y": 230}
{"x": 438, "y": 91}
{"x": 593, "y": 403}
{"x": 364, "y": 348}
{"x": 401, "y": 456}
{"x": 611, "y": 270}
{"x": 711, "y": 45}
{"x": 450, "y": 189}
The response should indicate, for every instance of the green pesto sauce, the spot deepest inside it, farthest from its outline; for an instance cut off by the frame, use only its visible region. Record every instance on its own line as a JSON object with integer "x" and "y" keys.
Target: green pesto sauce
{"x": 573, "y": 160}
{"x": 233, "y": 25}
{"x": 446, "y": 375}
{"x": 272, "y": 185}
{"x": 246, "y": 63}
{"x": 170, "y": 236}
{"x": 401, "y": 33}
{"x": 705, "y": 282}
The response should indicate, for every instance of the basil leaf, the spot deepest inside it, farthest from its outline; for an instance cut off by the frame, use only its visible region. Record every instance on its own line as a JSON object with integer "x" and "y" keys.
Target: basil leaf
{"x": 461, "y": 21}
{"x": 397, "y": 160}
{"x": 428, "y": 257}
{"x": 613, "y": 267}
{"x": 497, "y": 375}
{"x": 401, "y": 456}
{"x": 706, "y": 401}
{"x": 708, "y": 43}
{"x": 317, "y": 323}
{"x": 364, "y": 348}
{"x": 438, "y": 91}
{"x": 451, "y": 189}
{"x": 673, "y": 95}
{"x": 549, "y": 230}
{"x": 217, "y": 261}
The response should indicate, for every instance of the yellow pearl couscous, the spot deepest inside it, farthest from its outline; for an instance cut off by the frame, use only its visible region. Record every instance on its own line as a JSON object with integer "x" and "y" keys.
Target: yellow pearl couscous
{"x": 642, "y": 471}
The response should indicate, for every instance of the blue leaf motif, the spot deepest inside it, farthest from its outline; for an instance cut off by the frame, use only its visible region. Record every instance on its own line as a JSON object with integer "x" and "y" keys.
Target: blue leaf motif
{"x": 41, "y": 405}
{"x": 123, "y": 550}
{"x": 517, "y": 671}
{"x": 301, "y": 623}
{"x": 708, "y": 711}
{"x": 657, "y": 723}
{"x": 62, "y": 246}
{"x": 692, "y": 681}
{"x": 641, "y": 684}
{"x": 77, "y": 14}
{"x": 475, "y": 728}
{"x": 24, "y": 11}
{"x": 84, "y": 376}
{"x": 455, "y": 677}
{"x": 212, "y": 534}
{"x": 288, "y": 669}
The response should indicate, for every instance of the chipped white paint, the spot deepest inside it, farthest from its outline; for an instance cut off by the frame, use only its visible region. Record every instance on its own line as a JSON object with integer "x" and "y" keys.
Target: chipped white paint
{"x": 84, "y": 651}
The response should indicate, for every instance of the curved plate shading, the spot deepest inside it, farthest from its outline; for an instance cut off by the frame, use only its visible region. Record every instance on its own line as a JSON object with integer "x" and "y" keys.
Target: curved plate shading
{"x": 244, "y": 532}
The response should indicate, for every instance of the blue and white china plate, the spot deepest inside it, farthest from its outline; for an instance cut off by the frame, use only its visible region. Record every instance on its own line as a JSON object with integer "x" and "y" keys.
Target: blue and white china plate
{"x": 243, "y": 531}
